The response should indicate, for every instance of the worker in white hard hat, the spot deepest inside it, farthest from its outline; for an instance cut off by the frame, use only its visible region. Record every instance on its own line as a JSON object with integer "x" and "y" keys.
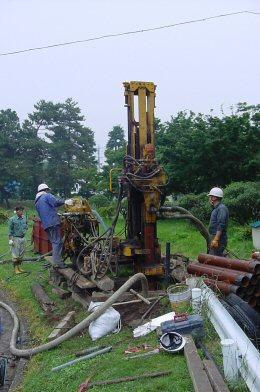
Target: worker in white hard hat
{"x": 218, "y": 222}
{"x": 46, "y": 205}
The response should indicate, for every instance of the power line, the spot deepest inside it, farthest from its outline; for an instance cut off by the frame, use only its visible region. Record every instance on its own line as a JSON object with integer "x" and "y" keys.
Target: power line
{"x": 127, "y": 33}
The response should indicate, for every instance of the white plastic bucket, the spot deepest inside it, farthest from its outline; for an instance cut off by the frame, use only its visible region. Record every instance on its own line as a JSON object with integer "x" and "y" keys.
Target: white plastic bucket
{"x": 179, "y": 296}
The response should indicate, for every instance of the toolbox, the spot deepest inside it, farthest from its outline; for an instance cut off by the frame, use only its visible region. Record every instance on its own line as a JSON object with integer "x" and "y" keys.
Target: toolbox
{"x": 193, "y": 325}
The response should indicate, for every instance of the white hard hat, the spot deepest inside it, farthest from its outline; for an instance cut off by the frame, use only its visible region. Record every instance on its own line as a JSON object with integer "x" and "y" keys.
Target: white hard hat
{"x": 216, "y": 192}
{"x": 42, "y": 187}
{"x": 172, "y": 342}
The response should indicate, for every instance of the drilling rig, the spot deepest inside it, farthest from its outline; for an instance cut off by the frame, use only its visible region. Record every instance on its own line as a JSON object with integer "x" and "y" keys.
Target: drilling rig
{"x": 142, "y": 182}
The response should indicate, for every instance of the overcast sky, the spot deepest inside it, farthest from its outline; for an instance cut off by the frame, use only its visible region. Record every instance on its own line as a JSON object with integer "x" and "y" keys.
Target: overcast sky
{"x": 200, "y": 66}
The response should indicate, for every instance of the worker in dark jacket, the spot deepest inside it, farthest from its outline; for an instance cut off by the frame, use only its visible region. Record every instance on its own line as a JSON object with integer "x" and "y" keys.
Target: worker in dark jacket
{"x": 218, "y": 222}
{"x": 46, "y": 205}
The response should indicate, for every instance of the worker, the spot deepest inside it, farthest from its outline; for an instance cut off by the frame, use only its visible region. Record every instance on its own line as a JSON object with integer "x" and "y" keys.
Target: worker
{"x": 46, "y": 205}
{"x": 218, "y": 222}
{"x": 17, "y": 230}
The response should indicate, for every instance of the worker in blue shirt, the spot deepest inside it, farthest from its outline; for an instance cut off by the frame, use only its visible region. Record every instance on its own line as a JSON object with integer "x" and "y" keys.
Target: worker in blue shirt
{"x": 17, "y": 230}
{"x": 218, "y": 222}
{"x": 46, "y": 205}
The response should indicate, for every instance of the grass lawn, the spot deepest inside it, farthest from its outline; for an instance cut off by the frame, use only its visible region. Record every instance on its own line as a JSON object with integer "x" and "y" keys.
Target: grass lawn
{"x": 39, "y": 378}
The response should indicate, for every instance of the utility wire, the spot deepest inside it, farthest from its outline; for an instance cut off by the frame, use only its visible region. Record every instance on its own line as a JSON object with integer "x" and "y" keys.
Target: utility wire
{"x": 128, "y": 33}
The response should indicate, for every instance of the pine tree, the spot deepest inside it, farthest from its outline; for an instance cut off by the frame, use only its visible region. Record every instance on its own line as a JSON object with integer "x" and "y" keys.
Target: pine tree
{"x": 71, "y": 145}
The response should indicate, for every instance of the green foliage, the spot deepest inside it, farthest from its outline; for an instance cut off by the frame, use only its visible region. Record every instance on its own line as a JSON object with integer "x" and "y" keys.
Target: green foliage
{"x": 243, "y": 201}
{"x": 99, "y": 201}
{"x": 3, "y": 216}
{"x": 200, "y": 151}
{"x": 33, "y": 151}
{"x": 88, "y": 179}
{"x": 107, "y": 212}
{"x": 21, "y": 154}
{"x": 114, "y": 153}
{"x": 9, "y": 142}
{"x": 71, "y": 145}
{"x": 198, "y": 205}
{"x": 53, "y": 145}
{"x": 116, "y": 146}
{"x": 241, "y": 198}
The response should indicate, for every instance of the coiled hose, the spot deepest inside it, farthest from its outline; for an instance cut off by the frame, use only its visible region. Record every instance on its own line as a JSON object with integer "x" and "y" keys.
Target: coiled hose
{"x": 79, "y": 327}
{"x": 185, "y": 214}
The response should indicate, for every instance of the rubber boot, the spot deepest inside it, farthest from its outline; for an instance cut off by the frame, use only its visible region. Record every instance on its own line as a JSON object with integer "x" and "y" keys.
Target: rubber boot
{"x": 20, "y": 269}
{"x": 19, "y": 263}
{"x": 17, "y": 270}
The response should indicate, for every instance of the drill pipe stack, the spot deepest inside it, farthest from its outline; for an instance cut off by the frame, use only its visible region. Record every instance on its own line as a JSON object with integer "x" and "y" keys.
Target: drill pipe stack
{"x": 241, "y": 277}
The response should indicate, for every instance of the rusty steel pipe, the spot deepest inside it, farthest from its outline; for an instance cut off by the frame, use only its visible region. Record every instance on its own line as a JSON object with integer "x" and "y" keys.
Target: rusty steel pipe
{"x": 224, "y": 287}
{"x": 238, "y": 278}
{"x": 234, "y": 264}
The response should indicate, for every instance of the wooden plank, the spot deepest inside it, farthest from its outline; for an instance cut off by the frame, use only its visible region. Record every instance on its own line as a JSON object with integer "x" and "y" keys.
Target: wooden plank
{"x": 215, "y": 377}
{"x": 44, "y": 300}
{"x": 64, "y": 325}
{"x": 196, "y": 369}
{"x": 41, "y": 295}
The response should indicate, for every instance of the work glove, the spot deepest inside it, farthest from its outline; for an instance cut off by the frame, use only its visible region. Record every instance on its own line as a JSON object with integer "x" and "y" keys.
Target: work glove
{"x": 214, "y": 244}
{"x": 69, "y": 202}
{"x": 11, "y": 242}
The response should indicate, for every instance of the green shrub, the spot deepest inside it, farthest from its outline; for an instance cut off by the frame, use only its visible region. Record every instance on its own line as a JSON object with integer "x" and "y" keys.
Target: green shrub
{"x": 3, "y": 216}
{"x": 107, "y": 212}
{"x": 98, "y": 201}
{"x": 241, "y": 198}
{"x": 247, "y": 233}
{"x": 198, "y": 205}
{"x": 243, "y": 201}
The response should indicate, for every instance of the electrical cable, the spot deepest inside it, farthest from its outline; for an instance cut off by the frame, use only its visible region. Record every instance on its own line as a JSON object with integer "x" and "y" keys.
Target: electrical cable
{"x": 127, "y": 33}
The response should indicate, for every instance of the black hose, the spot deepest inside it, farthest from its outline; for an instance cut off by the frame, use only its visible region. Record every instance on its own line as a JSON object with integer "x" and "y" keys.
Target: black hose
{"x": 185, "y": 214}
{"x": 246, "y": 317}
{"x": 235, "y": 300}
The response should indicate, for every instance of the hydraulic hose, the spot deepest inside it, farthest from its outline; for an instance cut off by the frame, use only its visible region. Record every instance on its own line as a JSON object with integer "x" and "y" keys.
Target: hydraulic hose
{"x": 185, "y": 214}
{"x": 79, "y": 327}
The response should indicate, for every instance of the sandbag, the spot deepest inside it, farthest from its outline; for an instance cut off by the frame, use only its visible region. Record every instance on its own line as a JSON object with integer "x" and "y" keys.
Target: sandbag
{"x": 108, "y": 322}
